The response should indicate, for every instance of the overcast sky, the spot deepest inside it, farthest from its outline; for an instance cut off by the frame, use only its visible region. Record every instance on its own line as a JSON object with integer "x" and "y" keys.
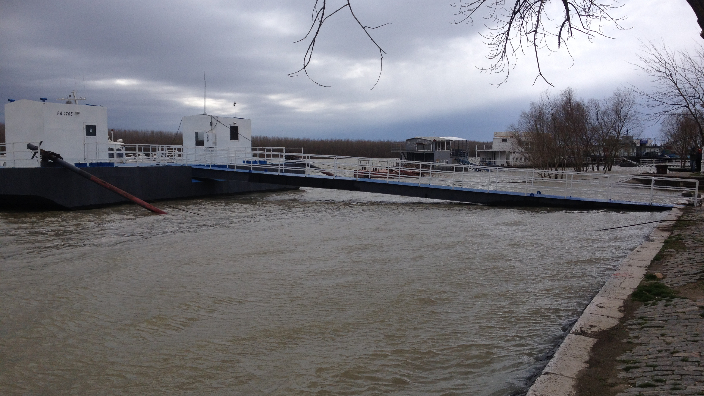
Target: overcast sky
{"x": 144, "y": 60}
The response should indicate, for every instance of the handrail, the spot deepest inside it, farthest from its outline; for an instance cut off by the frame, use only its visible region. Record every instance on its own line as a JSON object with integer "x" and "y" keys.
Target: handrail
{"x": 592, "y": 185}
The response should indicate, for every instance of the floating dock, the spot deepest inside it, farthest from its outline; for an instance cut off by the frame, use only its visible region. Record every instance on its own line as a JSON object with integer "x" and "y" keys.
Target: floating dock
{"x": 409, "y": 189}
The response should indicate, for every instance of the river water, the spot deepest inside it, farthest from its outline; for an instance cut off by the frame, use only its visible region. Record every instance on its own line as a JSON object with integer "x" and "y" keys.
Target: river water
{"x": 296, "y": 293}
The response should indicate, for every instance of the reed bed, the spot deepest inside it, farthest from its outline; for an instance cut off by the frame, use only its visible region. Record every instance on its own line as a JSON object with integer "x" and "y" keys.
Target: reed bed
{"x": 342, "y": 147}
{"x": 137, "y": 136}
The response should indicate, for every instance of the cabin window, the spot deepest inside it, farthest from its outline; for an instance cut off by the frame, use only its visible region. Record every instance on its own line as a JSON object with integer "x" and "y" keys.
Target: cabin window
{"x": 234, "y": 132}
{"x": 200, "y": 138}
{"x": 91, "y": 130}
{"x": 504, "y": 140}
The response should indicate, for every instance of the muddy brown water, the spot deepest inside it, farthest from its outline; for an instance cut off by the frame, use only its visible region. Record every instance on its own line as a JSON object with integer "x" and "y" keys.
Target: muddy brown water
{"x": 304, "y": 292}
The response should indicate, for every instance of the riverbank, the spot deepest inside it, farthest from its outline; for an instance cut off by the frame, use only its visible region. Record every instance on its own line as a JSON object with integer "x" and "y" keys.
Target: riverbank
{"x": 646, "y": 343}
{"x": 656, "y": 348}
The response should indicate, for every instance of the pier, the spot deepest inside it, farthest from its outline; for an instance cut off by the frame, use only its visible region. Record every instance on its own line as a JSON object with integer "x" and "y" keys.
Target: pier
{"x": 419, "y": 190}
{"x": 493, "y": 186}
{"x": 209, "y": 171}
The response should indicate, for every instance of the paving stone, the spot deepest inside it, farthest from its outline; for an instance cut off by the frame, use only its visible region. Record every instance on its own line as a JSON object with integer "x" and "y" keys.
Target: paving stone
{"x": 668, "y": 335}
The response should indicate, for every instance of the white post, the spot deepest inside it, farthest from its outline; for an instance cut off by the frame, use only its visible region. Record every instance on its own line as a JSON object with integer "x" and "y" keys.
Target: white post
{"x": 608, "y": 187}
{"x": 571, "y": 184}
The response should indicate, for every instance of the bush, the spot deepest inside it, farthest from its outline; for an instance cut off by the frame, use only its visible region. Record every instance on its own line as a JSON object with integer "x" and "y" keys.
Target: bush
{"x": 651, "y": 291}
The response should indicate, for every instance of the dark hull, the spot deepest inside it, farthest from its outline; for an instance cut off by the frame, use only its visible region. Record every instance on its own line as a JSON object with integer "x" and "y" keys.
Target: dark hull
{"x": 59, "y": 188}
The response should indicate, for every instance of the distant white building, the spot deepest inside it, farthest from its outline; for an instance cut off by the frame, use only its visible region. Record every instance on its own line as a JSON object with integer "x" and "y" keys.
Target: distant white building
{"x": 504, "y": 151}
{"x": 78, "y": 132}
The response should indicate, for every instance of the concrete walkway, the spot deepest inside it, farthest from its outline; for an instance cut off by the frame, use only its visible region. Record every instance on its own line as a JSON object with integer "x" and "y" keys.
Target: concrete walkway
{"x": 668, "y": 334}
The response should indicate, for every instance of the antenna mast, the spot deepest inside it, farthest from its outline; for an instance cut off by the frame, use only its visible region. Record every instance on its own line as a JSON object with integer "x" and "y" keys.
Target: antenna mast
{"x": 72, "y": 98}
{"x": 204, "y": 88}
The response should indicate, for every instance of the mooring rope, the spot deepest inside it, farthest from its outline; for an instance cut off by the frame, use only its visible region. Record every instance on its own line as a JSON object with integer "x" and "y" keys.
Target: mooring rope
{"x": 647, "y": 222}
{"x": 184, "y": 210}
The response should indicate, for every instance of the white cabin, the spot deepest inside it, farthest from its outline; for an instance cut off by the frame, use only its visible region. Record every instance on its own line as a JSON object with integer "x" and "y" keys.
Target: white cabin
{"x": 215, "y": 132}
{"x": 77, "y": 132}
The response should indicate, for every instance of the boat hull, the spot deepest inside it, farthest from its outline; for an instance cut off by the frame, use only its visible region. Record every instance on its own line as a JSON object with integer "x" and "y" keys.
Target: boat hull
{"x": 59, "y": 188}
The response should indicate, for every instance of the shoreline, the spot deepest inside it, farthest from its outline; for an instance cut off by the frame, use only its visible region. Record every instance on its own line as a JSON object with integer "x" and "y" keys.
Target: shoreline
{"x": 605, "y": 311}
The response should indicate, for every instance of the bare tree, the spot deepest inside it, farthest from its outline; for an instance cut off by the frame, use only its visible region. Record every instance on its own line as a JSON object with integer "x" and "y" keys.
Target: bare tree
{"x": 679, "y": 82}
{"x": 681, "y": 134}
{"x": 565, "y": 131}
{"x": 535, "y": 138}
{"x": 570, "y": 123}
{"x": 613, "y": 120}
{"x": 555, "y": 132}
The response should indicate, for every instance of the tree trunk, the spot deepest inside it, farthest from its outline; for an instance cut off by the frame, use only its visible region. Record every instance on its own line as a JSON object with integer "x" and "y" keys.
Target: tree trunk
{"x": 698, "y": 7}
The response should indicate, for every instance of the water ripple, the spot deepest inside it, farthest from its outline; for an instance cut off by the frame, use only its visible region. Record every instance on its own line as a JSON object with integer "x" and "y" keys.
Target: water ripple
{"x": 307, "y": 292}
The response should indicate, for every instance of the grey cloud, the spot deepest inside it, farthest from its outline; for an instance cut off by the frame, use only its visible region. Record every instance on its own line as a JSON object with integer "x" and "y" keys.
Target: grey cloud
{"x": 145, "y": 60}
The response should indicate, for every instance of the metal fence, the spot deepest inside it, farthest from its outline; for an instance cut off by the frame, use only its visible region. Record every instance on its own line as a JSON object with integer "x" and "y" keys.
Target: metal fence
{"x": 588, "y": 185}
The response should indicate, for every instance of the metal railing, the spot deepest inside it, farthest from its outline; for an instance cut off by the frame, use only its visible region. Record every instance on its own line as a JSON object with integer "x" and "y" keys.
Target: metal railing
{"x": 587, "y": 185}
{"x": 16, "y": 155}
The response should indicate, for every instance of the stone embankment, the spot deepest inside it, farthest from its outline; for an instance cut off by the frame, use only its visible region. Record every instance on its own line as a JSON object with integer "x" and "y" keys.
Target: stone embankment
{"x": 667, "y": 334}
{"x": 643, "y": 334}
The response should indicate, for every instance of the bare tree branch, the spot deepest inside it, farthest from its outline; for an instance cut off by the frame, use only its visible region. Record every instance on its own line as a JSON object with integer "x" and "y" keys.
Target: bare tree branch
{"x": 678, "y": 78}
{"x": 528, "y": 23}
{"x": 318, "y": 20}
{"x": 542, "y": 26}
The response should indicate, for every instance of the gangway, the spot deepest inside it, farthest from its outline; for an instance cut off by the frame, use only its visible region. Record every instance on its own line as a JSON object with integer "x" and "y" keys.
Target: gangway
{"x": 461, "y": 183}
{"x": 470, "y": 183}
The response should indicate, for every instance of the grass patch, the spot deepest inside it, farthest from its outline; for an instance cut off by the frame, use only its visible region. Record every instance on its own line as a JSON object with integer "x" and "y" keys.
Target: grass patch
{"x": 649, "y": 291}
{"x": 674, "y": 242}
{"x": 651, "y": 277}
{"x": 627, "y": 361}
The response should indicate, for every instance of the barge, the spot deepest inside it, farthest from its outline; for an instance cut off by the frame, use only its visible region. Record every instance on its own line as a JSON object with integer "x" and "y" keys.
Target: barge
{"x": 79, "y": 134}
